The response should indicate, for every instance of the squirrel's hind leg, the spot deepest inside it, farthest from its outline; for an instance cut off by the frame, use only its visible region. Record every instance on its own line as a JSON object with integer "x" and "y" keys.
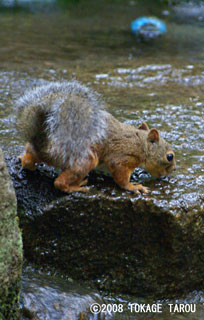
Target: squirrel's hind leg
{"x": 72, "y": 179}
{"x": 29, "y": 158}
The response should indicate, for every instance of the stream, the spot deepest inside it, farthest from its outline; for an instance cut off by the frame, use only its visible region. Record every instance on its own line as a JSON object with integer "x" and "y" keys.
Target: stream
{"x": 159, "y": 82}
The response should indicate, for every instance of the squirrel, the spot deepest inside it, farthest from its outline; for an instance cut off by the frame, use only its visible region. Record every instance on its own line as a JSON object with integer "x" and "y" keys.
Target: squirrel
{"x": 66, "y": 125}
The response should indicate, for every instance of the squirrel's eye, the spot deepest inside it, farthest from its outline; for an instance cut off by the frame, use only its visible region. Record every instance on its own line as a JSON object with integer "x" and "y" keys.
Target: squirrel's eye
{"x": 170, "y": 156}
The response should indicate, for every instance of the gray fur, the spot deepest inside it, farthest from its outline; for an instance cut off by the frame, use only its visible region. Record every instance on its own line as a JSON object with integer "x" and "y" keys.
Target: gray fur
{"x": 62, "y": 120}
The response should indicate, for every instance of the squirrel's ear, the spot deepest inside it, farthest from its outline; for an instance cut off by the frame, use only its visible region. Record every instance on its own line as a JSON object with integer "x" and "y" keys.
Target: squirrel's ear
{"x": 143, "y": 126}
{"x": 153, "y": 135}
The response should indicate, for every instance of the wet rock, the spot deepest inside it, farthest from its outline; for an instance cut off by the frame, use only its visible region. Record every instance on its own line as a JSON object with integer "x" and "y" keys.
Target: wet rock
{"x": 10, "y": 247}
{"x": 146, "y": 245}
{"x": 51, "y": 298}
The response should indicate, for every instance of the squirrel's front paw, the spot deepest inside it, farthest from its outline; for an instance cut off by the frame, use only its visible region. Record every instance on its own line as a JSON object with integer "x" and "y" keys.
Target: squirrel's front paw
{"x": 137, "y": 188}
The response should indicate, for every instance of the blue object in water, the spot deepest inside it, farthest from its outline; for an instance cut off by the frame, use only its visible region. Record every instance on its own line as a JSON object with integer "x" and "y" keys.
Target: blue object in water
{"x": 148, "y": 27}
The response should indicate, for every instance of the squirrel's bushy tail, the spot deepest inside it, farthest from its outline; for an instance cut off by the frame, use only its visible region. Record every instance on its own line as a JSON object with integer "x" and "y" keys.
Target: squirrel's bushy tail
{"x": 62, "y": 120}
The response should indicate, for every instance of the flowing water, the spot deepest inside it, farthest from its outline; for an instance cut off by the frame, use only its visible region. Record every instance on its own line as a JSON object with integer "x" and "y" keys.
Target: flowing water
{"x": 159, "y": 82}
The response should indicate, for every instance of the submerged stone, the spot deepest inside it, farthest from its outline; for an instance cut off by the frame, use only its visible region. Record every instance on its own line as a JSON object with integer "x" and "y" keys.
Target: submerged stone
{"x": 49, "y": 297}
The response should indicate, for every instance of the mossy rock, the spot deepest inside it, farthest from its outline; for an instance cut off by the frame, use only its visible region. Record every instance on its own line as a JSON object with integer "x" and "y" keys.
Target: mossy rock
{"x": 10, "y": 247}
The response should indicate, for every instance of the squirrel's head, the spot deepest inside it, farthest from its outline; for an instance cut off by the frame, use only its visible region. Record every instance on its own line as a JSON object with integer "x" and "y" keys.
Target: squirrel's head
{"x": 160, "y": 158}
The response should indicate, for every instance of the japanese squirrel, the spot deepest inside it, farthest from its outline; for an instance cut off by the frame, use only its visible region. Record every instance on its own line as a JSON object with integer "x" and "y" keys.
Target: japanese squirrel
{"x": 66, "y": 125}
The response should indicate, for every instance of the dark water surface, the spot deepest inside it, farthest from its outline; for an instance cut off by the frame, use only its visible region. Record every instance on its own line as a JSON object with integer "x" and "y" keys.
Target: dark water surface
{"x": 160, "y": 83}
